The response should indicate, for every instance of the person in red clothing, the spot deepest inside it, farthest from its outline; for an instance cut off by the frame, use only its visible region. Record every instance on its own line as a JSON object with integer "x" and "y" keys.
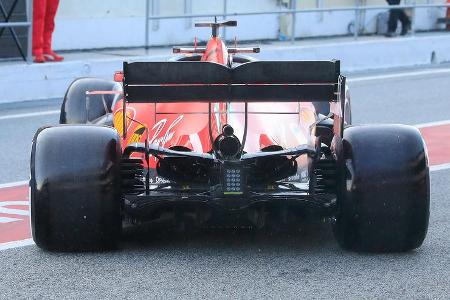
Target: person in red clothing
{"x": 44, "y": 12}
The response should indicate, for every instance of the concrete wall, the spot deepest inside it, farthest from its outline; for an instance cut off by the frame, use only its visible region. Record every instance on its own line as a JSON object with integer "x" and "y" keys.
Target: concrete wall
{"x": 89, "y": 24}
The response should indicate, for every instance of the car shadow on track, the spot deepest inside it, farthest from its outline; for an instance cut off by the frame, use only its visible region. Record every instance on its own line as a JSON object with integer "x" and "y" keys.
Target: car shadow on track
{"x": 307, "y": 237}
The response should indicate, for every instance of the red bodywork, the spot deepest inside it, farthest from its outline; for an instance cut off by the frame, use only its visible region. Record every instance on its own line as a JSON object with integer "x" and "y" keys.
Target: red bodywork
{"x": 287, "y": 124}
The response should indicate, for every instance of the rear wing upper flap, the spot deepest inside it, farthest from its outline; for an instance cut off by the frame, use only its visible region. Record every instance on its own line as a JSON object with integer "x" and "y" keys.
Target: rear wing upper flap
{"x": 259, "y": 81}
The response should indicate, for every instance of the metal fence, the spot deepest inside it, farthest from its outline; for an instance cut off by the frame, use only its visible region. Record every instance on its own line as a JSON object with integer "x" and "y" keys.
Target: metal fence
{"x": 152, "y": 15}
{"x": 152, "y": 11}
{"x": 11, "y": 25}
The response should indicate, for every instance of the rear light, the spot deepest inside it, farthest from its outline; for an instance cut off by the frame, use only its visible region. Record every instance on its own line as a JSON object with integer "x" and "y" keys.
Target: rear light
{"x": 233, "y": 180}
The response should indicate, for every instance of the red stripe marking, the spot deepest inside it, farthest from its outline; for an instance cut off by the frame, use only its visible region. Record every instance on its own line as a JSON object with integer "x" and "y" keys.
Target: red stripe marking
{"x": 14, "y": 193}
{"x": 437, "y": 139}
{"x": 16, "y": 230}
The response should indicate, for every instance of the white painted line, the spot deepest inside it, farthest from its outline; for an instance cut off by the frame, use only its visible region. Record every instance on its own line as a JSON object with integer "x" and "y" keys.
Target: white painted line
{"x": 26, "y": 115}
{"x": 440, "y": 167}
{"x": 431, "y": 124}
{"x": 13, "y": 211}
{"x": 13, "y": 184}
{"x": 16, "y": 244}
{"x": 399, "y": 75}
{"x": 4, "y": 220}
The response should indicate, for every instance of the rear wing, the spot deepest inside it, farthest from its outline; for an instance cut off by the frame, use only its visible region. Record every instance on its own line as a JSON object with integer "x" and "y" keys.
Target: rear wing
{"x": 261, "y": 81}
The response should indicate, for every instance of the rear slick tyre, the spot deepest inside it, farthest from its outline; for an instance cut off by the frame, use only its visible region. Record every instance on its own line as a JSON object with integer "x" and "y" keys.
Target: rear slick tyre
{"x": 75, "y": 188}
{"x": 76, "y": 109}
{"x": 384, "y": 197}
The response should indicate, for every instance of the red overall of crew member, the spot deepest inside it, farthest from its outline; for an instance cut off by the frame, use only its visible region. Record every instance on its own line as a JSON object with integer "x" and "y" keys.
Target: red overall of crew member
{"x": 44, "y": 12}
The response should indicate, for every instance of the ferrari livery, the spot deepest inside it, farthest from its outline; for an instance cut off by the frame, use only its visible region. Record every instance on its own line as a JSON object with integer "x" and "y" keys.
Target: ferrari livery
{"x": 215, "y": 137}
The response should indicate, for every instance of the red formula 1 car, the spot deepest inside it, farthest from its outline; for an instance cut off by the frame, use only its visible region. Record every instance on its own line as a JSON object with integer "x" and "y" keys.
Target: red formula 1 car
{"x": 213, "y": 136}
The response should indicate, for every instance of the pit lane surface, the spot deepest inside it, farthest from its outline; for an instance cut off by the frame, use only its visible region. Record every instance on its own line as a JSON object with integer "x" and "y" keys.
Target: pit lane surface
{"x": 237, "y": 263}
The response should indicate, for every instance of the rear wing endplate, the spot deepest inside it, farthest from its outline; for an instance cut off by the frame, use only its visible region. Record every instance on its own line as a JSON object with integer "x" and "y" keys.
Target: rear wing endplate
{"x": 261, "y": 81}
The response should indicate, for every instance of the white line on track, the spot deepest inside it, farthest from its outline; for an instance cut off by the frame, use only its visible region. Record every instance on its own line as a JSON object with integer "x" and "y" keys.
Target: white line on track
{"x": 16, "y": 244}
{"x": 26, "y": 115}
{"x": 439, "y": 167}
{"x": 13, "y": 184}
{"x": 13, "y": 211}
{"x": 399, "y": 75}
{"x": 4, "y": 220}
{"x": 431, "y": 124}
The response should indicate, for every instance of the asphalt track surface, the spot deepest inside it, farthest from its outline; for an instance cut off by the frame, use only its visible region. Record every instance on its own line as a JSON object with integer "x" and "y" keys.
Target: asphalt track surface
{"x": 240, "y": 263}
